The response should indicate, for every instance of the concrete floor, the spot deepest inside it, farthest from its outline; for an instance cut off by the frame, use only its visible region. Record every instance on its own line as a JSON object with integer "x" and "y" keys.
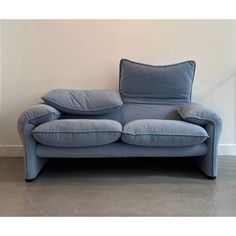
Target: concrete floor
{"x": 118, "y": 187}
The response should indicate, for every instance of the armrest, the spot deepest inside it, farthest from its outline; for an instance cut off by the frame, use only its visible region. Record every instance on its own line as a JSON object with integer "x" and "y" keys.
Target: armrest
{"x": 33, "y": 116}
{"x": 203, "y": 116}
{"x": 199, "y": 114}
{"x": 36, "y": 115}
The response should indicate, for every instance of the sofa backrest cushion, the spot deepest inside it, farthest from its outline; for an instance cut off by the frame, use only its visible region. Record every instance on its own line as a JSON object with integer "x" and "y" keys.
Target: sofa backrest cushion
{"x": 84, "y": 102}
{"x": 170, "y": 84}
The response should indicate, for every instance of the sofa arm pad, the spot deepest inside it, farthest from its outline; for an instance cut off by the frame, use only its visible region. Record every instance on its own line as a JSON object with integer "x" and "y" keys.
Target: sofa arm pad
{"x": 36, "y": 115}
{"x": 199, "y": 114}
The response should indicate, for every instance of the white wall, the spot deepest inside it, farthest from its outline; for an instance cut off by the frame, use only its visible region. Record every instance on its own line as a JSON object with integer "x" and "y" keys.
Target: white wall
{"x": 37, "y": 56}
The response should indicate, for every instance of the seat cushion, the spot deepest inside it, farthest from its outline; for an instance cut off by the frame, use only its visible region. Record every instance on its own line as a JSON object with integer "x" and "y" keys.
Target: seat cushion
{"x": 153, "y": 132}
{"x": 84, "y": 102}
{"x": 77, "y": 133}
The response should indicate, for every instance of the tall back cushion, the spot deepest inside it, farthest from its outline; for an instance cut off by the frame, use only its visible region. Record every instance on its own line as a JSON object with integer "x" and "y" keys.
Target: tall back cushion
{"x": 171, "y": 84}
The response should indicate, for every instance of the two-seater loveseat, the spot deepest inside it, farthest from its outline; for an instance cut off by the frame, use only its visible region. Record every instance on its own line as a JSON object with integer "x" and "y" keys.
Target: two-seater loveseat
{"x": 150, "y": 116}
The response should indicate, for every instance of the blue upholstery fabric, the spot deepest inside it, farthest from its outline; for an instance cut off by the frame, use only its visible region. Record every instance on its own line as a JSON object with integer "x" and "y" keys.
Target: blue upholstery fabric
{"x": 119, "y": 149}
{"x": 198, "y": 114}
{"x": 115, "y": 115}
{"x": 201, "y": 115}
{"x": 163, "y": 133}
{"x": 148, "y": 92}
{"x": 141, "y": 83}
{"x": 133, "y": 111}
{"x": 28, "y": 120}
{"x": 77, "y": 133}
{"x": 84, "y": 102}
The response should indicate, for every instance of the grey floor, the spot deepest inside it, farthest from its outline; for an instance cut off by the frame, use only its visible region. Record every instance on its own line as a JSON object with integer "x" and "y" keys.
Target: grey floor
{"x": 118, "y": 187}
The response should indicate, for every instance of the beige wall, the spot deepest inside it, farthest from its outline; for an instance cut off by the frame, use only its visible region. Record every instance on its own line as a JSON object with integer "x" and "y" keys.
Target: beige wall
{"x": 84, "y": 54}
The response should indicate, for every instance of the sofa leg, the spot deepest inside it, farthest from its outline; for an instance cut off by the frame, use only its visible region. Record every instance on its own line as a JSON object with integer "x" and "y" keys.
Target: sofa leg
{"x": 30, "y": 180}
{"x": 208, "y": 175}
{"x": 208, "y": 166}
{"x": 33, "y": 168}
{"x": 211, "y": 177}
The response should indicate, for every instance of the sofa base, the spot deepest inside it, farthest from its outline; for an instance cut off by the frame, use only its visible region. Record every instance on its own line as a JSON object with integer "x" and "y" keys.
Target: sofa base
{"x": 115, "y": 150}
{"x": 119, "y": 149}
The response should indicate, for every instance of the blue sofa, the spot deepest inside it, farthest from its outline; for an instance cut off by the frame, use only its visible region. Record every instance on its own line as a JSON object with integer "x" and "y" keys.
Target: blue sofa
{"x": 150, "y": 116}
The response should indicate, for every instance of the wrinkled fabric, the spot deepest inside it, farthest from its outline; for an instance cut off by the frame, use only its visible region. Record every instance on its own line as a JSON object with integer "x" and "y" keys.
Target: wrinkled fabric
{"x": 77, "y": 133}
{"x": 84, "y": 102}
{"x": 171, "y": 84}
{"x": 163, "y": 133}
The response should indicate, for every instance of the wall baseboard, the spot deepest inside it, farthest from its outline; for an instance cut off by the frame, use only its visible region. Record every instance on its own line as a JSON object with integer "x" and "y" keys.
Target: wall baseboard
{"x": 17, "y": 150}
{"x": 227, "y": 150}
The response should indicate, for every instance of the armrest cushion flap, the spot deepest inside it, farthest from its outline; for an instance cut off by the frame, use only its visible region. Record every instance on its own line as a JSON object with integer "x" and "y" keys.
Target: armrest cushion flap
{"x": 37, "y": 114}
{"x": 198, "y": 114}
